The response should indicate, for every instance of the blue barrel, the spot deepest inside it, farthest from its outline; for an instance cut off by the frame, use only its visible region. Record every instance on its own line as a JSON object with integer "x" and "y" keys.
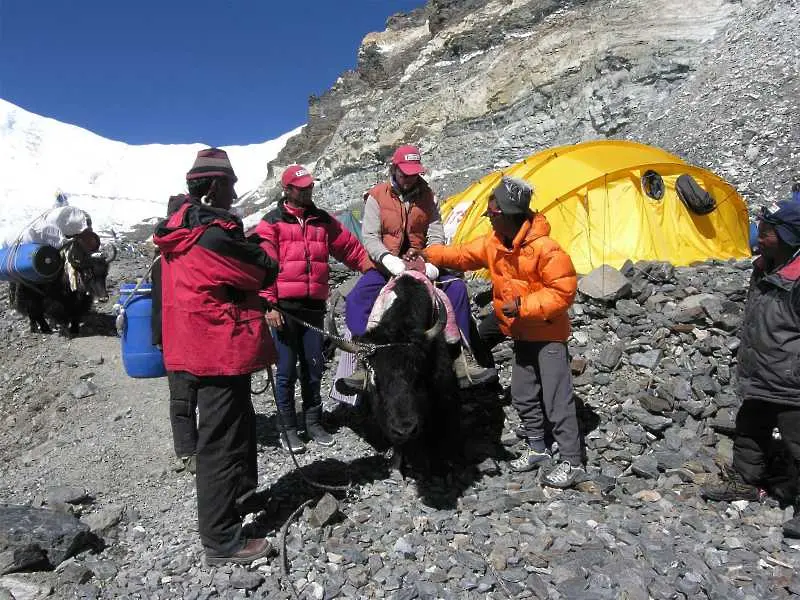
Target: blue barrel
{"x": 140, "y": 357}
{"x": 754, "y": 238}
{"x": 30, "y": 262}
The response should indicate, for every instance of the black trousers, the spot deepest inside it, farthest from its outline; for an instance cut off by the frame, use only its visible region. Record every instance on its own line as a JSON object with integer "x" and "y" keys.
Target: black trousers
{"x": 183, "y": 414}
{"x": 227, "y": 466}
{"x": 754, "y": 424}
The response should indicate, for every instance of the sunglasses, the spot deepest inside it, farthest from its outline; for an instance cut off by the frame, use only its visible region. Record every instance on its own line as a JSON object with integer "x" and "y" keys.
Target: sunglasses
{"x": 492, "y": 212}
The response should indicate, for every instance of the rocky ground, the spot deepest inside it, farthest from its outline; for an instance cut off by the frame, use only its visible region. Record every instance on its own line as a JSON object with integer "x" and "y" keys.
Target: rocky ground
{"x": 96, "y": 508}
{"x": 654, "y": 374}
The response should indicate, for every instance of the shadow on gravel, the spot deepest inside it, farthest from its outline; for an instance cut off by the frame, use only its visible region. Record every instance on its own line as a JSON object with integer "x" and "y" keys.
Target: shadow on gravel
{"x": 588, "y": 420}
{"x": 444, "y": 481}
{"x": 292, "y": 489}
{"x": 267, "y": 428}
{"x": 99, "y": 324}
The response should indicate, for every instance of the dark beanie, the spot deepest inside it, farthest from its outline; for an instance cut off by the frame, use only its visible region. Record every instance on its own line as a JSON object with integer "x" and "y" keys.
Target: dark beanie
{"x": 211, "y": 162}
{"x": 785, "y": 217}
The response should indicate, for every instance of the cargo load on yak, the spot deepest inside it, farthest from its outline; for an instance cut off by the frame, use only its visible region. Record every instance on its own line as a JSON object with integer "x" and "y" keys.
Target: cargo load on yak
{"x": 53, "y": 227}
{"x": 31, "y": 253}
{"x": 608, "y": 201}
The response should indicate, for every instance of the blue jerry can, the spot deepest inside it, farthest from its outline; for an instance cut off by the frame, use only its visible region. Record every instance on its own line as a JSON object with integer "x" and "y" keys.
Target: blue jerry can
{"x": 140, "y": 357}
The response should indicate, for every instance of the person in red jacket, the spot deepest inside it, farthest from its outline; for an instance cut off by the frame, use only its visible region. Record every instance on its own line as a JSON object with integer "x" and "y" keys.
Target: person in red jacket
{"x": 215, "y": 337}
{"x": 301, "y": 237}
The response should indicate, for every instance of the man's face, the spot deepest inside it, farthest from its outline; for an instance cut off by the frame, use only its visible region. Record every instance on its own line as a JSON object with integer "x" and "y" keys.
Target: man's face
{"x": 405, "y": 182}
{"x": 768, "y": 240}
{"x": 300, "y": 196}
{"x": 501, "y": 223}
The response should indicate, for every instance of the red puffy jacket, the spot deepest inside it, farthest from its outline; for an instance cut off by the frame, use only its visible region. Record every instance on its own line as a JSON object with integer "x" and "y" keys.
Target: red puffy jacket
{"x": 212, "y": 316}
{"x": 301, "y": 246}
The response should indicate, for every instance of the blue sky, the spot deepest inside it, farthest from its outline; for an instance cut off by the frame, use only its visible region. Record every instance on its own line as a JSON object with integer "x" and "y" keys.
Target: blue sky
{"x": 176, "y": 71}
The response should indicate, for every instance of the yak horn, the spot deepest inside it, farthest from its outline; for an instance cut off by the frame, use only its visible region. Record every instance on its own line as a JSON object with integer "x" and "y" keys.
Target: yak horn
{"x": 441, "y": 319}
{"x": 113, "y": 256}
{"x": 333, "y": 333}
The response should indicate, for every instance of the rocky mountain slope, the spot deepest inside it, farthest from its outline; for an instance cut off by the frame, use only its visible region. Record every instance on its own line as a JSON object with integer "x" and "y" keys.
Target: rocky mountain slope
{"x": 481, "y": 84}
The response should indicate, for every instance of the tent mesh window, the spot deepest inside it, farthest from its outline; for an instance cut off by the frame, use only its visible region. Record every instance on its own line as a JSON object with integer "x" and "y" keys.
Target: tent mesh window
{"x": 653, "y": 185}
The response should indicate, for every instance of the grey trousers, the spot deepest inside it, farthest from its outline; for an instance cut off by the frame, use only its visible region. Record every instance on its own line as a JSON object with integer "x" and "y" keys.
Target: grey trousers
{"x": 541, "y": 387}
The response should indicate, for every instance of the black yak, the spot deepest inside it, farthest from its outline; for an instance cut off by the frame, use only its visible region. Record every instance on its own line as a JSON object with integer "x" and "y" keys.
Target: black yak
{"x": 411, "y": 391}
{"x": 68, "y": 297}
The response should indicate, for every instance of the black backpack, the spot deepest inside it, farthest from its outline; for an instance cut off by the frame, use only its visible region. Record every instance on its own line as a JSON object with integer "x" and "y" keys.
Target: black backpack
{"x": 693, "y": 196}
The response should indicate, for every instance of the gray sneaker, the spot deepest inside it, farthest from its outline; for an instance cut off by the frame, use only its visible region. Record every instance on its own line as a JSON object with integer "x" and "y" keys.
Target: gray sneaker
{"x": 564, "y": 475}
{"x": 529, "y": 459}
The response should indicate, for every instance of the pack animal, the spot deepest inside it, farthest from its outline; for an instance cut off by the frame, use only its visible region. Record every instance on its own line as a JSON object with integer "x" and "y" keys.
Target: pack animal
{"x": 68, "y": 297}
{"x": 412, "y": 391}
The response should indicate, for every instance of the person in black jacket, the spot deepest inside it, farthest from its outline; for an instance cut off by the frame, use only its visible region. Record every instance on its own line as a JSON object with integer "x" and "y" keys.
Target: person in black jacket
{"x": 182, "y": 394}
{"x": 769, "y": 361}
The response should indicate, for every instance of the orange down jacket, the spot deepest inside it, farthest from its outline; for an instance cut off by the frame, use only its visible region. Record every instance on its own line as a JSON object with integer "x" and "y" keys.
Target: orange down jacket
{"x": 535, "y": 269}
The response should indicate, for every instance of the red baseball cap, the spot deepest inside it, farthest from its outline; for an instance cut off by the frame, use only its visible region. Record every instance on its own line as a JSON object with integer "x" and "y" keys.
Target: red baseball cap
{"x": 408, "y": 160}
{"x": 298, "y": 176}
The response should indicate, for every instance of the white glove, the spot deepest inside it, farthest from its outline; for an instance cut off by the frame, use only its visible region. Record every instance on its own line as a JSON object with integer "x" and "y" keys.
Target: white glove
{"x": 431, "y": 271}
{"x": 394, "y": 264}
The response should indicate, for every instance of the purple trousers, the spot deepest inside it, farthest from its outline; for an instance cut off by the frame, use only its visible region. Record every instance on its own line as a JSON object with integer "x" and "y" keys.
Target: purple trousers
{"x": 361, "y": 298}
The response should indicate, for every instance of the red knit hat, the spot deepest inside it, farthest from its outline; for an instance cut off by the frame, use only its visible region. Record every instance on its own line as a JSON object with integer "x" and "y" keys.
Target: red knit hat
{"x": 211, "y": 162}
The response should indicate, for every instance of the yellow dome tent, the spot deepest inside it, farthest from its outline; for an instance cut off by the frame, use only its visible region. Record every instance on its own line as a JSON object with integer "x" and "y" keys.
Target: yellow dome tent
{"x": 608, "y": 201}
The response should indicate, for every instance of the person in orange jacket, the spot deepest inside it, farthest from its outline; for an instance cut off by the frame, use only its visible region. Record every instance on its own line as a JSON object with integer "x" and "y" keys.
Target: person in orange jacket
{"x": 534, "y": 284}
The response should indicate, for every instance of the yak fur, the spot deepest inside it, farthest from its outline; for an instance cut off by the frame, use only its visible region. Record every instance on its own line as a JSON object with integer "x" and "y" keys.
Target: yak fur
{"x": 412, "y": 392}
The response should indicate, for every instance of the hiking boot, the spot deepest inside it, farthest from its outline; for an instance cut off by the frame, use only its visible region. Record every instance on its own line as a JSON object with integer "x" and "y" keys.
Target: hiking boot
{"x": 733, "y": 487}
{"x": 314, "y": 428}
{"x": 252, "y": 550}
{"x": 564, "y": 475}
{"x": 470, "y": 374}
{"x": 352, "y": 384}
{"x": 530, "y": 459}
{"x": 291, "y": 442}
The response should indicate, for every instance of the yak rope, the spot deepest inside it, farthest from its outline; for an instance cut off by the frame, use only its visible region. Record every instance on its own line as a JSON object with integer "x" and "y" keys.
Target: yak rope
{"x": 334, "y": 488}
{"x": 284, "y": 557}
{"x": 311, "y": 482}
{"x": 120, "y": 322}
{"x": 367, "y": 348}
